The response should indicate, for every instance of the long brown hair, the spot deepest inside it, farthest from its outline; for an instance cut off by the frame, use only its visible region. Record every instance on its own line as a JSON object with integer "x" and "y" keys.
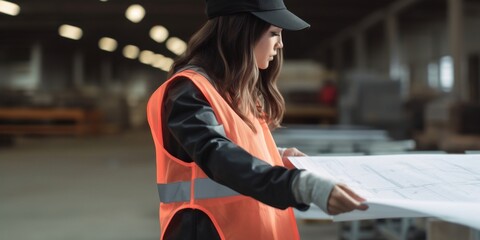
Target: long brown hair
{"x": 224, "y": 48}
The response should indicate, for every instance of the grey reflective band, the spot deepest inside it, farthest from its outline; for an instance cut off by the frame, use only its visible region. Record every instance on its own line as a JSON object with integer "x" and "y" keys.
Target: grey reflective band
{"x": 207, "y": 188}
{"x": 174, "y": 192}
{"x": 204, "y": 188}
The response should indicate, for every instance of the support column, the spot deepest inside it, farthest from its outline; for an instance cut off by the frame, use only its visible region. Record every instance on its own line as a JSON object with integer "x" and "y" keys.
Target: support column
{"x": 360, "y": 52}
{"x": 36, "y": 66}
{"x": 339, "y": 66}
{"x": 106, "y": 73}
{"x": 456, "y": 41}
{"x": 394, "y": 54}
{"x": 78, "y": 69}
{"x": 393, "y": 44}
{"x": 338, "y": 57}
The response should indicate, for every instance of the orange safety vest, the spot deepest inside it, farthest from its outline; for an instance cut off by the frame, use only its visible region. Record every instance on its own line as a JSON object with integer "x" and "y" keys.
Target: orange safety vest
{"x": 184, "y": 185}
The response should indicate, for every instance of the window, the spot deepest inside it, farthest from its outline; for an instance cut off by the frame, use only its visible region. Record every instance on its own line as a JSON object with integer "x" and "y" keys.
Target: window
{"x": 446, "y": 73}
{"x": 433, "y": 75}
{"x": 440, "y": 74}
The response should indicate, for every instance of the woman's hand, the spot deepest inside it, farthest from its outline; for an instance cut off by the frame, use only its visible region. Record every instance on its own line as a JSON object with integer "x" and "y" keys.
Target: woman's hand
{"x": 290, "y": 152}
{"x": 342, "y": 199}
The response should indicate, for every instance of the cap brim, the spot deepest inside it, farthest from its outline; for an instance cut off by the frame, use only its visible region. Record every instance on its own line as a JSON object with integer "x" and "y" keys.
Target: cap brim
{"x": 283, "y": 19}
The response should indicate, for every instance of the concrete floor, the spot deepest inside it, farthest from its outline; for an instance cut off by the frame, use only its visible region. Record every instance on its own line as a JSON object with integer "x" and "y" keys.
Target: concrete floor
{"x": 100, "y": 187}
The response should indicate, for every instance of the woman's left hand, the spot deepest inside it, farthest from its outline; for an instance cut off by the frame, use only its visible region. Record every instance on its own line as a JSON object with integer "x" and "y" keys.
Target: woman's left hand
{"x": 291, "y": 152}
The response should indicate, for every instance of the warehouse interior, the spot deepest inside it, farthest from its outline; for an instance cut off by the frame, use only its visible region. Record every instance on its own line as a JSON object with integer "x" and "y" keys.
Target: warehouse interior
{"x": 77, "y": 159}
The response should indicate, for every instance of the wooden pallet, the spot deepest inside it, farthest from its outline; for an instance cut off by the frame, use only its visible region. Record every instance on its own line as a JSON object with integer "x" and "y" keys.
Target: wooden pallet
{"x": 49, "y": 121}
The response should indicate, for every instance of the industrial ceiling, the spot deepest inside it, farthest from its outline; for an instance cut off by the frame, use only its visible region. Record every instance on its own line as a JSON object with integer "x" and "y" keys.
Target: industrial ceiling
{"x": 40, "y": 20}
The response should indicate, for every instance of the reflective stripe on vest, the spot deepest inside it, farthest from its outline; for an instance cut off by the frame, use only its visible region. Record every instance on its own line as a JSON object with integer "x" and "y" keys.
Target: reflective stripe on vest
{"x": 204, "y": 188}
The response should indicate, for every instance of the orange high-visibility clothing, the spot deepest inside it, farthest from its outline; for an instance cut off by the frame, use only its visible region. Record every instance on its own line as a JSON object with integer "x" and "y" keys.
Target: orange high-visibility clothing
{"x": 184, "y": 185}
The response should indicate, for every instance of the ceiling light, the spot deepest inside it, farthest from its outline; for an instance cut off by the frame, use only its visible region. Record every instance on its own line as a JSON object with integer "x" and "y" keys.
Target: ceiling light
{"x": 107, "y": 44}
{"x": 9, "y": 8}
{"x": 131, "y": 51}
{"x": 162, "y": 62}
{"x": 176, "y": 45}
{"x": 158, "y": 61}
{"x": 135, "y": 13}
{"x": 159, "y": 33}
{"x": 147, "y": 57}
{"x": 167, "y": 64}
{"x": 159, "y": 57}
{"x": 69, "y": 31}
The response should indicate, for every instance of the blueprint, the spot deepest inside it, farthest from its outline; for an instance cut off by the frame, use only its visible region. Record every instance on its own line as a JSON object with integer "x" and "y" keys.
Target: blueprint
{"x": 446, "y": 186}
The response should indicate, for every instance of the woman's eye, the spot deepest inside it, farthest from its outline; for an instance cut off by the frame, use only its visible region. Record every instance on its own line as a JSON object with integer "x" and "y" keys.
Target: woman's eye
{"x": 275, "y": 34}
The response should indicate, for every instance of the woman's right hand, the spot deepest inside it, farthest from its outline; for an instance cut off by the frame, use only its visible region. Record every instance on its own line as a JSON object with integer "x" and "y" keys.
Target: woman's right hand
{"x": 342, "y": 199}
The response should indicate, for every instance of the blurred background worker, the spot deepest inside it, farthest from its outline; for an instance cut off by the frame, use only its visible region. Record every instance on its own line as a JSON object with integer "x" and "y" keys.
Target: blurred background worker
{"x": 328, "y": 93}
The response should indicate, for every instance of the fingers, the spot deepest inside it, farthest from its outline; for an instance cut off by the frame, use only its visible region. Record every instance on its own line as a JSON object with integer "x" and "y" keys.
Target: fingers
{"x": 358, "y": 198}
{"x": 351, "y": 193}
{"x": 293, "y": 152}
{"x": 335, "y": 211}
{"x": 287, "y": 163}
{"x": 342, "y": 199}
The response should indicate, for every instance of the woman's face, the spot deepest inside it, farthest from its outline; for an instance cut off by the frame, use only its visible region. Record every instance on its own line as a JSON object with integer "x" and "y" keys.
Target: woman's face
{"x": 266, "y": 48}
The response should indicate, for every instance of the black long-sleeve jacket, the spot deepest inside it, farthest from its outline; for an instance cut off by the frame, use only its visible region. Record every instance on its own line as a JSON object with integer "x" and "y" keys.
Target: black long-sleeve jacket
{"x": 191, "y": 133}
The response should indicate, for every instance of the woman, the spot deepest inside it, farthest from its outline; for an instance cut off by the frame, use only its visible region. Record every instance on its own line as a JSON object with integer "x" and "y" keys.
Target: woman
{"x": 219, "y": 172}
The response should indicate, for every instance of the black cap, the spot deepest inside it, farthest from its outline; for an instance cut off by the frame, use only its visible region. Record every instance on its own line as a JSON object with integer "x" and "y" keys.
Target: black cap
{"x": 271, "y": 11}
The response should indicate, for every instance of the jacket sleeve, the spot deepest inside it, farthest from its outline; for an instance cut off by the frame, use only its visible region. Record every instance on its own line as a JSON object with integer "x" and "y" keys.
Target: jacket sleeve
{"x": 192, "y": 133}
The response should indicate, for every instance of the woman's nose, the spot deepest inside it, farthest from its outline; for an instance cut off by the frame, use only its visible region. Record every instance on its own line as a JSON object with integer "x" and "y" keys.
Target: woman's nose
{"x": 280, "y": 42}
